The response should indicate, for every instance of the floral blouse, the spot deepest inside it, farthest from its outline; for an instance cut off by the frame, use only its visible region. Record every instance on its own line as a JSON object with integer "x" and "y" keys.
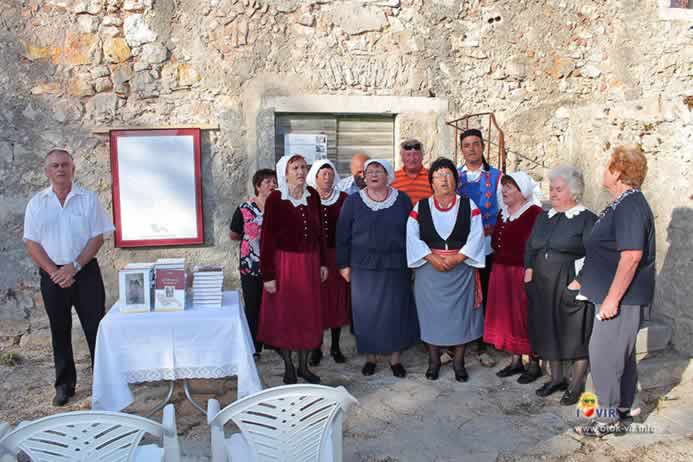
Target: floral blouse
{"x": 247, "y": 221}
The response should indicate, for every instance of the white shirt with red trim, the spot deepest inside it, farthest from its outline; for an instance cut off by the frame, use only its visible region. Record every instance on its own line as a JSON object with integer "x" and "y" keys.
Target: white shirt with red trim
{"x": 444, "y": 222}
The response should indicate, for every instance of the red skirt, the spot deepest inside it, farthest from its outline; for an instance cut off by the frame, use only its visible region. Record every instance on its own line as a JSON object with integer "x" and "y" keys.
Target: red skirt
{"x": 505, "y": 326}
{"x": 291, "y": 318}
{"x": 335, "y": 296}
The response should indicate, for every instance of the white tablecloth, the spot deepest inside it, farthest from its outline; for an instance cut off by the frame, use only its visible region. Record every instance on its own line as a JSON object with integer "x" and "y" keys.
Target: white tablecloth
{"x": 198, "y": 343}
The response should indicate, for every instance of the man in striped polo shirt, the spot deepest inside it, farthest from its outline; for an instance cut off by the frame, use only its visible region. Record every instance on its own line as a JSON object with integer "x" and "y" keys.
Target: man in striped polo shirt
{"x": 412, "y": 178}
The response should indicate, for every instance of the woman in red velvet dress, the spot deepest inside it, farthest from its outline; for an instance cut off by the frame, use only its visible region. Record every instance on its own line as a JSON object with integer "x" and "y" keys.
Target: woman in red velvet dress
{"x": 293, "y": 267}
{"x": 334, "y": 298}
{"x": 505, "y": 325}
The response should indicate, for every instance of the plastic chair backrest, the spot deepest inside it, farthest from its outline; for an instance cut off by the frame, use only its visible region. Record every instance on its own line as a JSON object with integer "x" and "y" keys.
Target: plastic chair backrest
{"x": 288, "y": 423}
{"x": 81, "y": 436}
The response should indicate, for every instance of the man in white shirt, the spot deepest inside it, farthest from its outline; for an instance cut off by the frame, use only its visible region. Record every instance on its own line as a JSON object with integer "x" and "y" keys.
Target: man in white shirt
{"x": 356, "y": 182}
{"x": 64, "y": 227}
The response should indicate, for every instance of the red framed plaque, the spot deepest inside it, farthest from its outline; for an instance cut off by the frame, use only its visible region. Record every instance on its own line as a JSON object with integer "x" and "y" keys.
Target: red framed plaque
{"x": 157, "y": 187}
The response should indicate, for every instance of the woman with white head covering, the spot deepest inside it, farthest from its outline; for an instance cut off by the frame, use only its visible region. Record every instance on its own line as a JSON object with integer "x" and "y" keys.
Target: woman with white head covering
{"x": 505, "y": 325}
{"x": 334, "y": 296}
{"x": 293, "y": 266}
{"x": 558, "y": 323}
{"x": 445, "y": 245}
{"x": 371, "y": 254}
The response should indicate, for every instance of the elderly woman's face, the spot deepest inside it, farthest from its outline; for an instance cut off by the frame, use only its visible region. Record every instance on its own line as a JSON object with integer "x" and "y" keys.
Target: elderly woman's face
{"x": 376, "y": 176}
{"x": 443, "y": 182}
{"x": 560, "y": 194}
{"x": 266, "y": 186}
{"x": 325, "y": 179}
{"x": 296, "y": 172}
{"x": 511, "y": 195}
{"x": 610, "y": 178}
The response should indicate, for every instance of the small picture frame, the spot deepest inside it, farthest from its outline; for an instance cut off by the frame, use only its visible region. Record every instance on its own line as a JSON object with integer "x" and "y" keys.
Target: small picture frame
{"x": 135, "y": 290}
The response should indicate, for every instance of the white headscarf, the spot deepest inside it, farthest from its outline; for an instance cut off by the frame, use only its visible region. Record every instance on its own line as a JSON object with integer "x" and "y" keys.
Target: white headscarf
{"x": 313, "y": 174}
{"x": 530, "y": 190}
{"x": 384, "y": 164}
{"x": 283, "y": 185}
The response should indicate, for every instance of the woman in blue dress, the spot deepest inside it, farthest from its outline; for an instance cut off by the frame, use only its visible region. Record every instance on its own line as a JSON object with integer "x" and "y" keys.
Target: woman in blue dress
{"x": 372, "y": 255}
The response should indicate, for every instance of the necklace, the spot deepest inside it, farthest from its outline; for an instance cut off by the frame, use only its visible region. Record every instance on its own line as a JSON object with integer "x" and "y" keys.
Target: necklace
{"x": 615, "y": 202}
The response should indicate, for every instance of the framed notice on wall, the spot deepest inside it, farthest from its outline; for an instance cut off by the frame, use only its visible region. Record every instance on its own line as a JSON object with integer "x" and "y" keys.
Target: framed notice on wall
{"x": 157, "y": 190}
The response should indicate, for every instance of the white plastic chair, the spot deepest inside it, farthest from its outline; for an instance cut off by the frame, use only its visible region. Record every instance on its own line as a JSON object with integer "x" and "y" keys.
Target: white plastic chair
{"x": 93, "y": 436}
{"x": 291, "y": 423}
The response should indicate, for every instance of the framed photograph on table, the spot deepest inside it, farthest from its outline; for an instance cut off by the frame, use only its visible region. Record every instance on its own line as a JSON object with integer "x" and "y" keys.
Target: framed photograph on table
{"x": 135, "y": 290}
{"x": 157, "y": 187}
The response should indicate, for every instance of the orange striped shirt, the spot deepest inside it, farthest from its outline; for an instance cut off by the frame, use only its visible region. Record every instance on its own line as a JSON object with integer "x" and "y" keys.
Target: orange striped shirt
{"x": 416, "y": 188}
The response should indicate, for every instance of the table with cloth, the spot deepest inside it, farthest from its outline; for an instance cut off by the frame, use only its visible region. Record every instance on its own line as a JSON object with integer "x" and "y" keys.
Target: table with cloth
{"x": 197, "y": 343}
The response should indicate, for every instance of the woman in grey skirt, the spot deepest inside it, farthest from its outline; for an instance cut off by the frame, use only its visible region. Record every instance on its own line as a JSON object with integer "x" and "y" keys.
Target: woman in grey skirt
{"x": 445, "y": 245}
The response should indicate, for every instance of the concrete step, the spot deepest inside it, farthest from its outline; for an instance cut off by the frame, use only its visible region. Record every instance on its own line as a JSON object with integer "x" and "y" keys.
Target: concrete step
{"x": 653, "y": 336}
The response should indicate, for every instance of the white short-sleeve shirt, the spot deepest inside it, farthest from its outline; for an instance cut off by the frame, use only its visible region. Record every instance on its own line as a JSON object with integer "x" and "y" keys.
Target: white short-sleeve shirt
{"x": 63, "y": 231}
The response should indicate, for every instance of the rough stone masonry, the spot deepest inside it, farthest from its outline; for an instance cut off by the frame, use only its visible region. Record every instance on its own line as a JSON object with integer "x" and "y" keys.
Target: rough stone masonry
{"x": 567, "y": 80}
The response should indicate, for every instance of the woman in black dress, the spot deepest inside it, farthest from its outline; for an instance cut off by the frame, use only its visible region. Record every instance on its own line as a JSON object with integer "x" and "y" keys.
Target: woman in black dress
{"x": 559, "y": 325}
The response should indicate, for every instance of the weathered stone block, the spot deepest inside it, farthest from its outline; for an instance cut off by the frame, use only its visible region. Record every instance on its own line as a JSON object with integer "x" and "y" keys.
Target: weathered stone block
{"x": 144, "y": 85}
{"x": 48, "y": 88}
{"x": 65, "y": 111}
{"x": 153, "y": 53}
{"x": 102, "y": 107}
{"x": 80, "y": 86}
{"x": 355, "y": 18}
{"x": 36, "y": 53}
{"x": 116, "y": 50}
{"x": 122, "y": 73}
{"x": 103, "y": 84}
{"x": 87, "y": 23}
{"x": 137, "y": 32}
{"x": 88, "y": 6}
{"x": 137, "y": 5}
{"x": 81, "y": 49}
{"x": 187, "y": 75}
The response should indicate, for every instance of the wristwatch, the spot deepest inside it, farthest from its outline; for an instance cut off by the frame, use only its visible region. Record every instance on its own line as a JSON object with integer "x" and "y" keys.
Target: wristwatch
{"x": 76, "y": 266}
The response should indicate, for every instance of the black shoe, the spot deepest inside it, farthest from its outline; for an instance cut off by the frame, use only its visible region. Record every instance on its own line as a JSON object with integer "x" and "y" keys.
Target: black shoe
{"x": 290, "y": 377}
{"x": 571, "y": 397}
{"x": 308, "y": 376}
{"x": 368, "y": 368}
{"x": 315, "y": 357}
{"x": 433, "y": 371}
{"x": 62, "y": 395}
{"x": 398, "y": 370}
{"x": 460, "y": 373}
{"x": 550, "y": 388}
{"x": 337, "y": 356}
{"x": 511, "y": 370}
{"x": 532, "y": 373}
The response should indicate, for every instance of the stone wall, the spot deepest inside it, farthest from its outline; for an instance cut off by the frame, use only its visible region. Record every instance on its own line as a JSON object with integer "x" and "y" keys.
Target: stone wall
{"x": 567, "y": 80}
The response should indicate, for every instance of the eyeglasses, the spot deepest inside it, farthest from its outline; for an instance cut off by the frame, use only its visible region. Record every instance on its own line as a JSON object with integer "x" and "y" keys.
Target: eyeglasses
{"x": 412, "y": 147}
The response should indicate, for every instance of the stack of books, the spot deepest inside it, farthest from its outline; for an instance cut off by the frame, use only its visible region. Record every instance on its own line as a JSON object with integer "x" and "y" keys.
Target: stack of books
{"x": 135, "y": 287}
{"x": 169, "y": 285}
{"x": 208, "y": 285}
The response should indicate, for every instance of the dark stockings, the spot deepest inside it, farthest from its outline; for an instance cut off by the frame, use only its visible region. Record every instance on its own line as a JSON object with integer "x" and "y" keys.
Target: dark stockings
{"x": 458, "y": 360}
{"x": 516, "y": 361}
{"x": 433, "y": 356}
{"x": 580, "y": 367}
{"x": 336, "y": 334}
{"x": 556, "y": 371}
{"x": 289, "y": 370}
{"x": 303, "y": 370}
